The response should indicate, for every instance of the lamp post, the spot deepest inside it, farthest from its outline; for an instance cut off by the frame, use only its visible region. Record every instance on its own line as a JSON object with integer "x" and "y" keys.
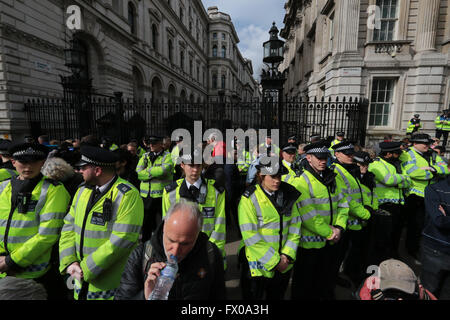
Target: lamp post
{"x": 272, "y": 80}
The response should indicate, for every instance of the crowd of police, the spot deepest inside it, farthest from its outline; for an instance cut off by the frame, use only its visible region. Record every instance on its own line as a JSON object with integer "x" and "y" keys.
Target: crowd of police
{"x": 321, "y": 210}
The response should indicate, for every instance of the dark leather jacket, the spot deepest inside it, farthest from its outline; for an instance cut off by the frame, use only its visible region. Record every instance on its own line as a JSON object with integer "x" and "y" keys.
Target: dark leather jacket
{"x": 200, "y": 274}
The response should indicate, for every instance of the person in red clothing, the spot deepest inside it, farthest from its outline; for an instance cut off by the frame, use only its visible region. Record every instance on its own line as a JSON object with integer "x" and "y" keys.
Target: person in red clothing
{"x": 219, "y": 147}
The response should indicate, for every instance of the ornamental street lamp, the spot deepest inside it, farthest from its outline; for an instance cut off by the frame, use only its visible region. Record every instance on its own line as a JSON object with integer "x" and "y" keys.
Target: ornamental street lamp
{"x": 272, "y": 80}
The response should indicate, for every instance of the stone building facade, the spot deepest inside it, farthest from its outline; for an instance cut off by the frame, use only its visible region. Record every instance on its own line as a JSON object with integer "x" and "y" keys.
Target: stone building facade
{"x": 395, "y": 53}
{"x": 155, "y": 50}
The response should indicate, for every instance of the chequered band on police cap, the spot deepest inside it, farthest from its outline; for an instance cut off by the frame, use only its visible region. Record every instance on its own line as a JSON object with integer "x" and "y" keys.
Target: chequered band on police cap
{"x": 29, "y": 152}
{"x": 358, "y": 159}
{"x": 318, "y": 150}
{"x": 97, "y": 163}
{"x": 347, "y": 147}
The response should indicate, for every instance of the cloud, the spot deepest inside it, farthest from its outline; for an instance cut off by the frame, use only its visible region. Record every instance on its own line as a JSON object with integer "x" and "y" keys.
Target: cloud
{"x": 252, "y": 38}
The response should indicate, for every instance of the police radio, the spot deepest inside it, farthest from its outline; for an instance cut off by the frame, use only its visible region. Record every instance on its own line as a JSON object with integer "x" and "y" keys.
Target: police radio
{"x": 23, "y": 199}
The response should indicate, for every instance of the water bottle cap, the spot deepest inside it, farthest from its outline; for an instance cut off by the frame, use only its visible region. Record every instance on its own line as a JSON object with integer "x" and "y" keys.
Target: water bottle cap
{"x": 172, "y": 259}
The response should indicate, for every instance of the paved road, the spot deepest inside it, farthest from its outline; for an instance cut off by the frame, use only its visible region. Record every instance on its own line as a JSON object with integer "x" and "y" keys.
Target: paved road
{"x": 232, "y": 273}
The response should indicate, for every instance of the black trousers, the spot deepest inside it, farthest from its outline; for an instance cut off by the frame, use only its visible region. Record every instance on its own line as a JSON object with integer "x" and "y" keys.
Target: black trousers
{"x": 444, "y": 134}
{"x": 152, "y": 216}
{"x": 353, "y": 254}
{"x": 261, "y": 288}
{"x": 415, "y": 216}
{"x": 397, "y": 223}
{"x": 314, "y": 276}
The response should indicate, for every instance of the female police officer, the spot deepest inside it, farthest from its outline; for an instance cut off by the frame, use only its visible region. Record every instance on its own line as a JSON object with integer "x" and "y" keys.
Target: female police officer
{"x": 270, "y": 226}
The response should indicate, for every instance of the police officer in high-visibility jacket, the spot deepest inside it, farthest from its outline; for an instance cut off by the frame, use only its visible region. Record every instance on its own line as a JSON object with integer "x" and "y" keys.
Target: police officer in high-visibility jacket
{"x": 289, "y": 153}
{"x": 32, "y": 209}
{"x": 323, "y": 211}
{"x": 348, "y": 173}
{"x": 7, "y": 169}
{"x": 340, "y": 136}
{"x": 425, "y": 168}
{"x": 414, "y": 125}
{"x": 155, "y": 170}
{"x": 101, "y": 228}
{"x": 209, "y": 195}
{"x": 270, "y": 226}
{"x": 443, "y": 126}
{"x": 391, "y": 185}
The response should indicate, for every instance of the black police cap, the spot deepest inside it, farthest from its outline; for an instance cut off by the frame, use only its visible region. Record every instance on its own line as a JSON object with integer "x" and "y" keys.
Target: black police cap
{"x": 390, "y": 146}
{"x": 318, "y": 149}
{"x": 340, "y": 133}
{"x": 97, "y": 156}
{"x": 289, "y": 148}
{"x": 345, "y": 147}
{"x": 421, "y": 138}
{"x": 28, "y": 151}
{"x": 4, "y": 146}
{"x": 362, "y": 157}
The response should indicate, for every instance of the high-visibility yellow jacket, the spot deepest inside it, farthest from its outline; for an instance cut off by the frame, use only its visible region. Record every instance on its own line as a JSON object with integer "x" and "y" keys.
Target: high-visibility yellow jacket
{"x": 27, "y": 238}
{"x": 320, "y": 208}
{"x": 101, "y": 244}
{"x": 412, "y": 127}
{"x": 267, "y": 232}
{"x": 6, "y": 174}
{"x": 354, "y": 193}
{"x": 155, "y": 176}
{"x": 413, "y": 161}
{"x": 389, "y": 184}
{"x": 243, "y": 162}
{"x": 442, "y": 123}
{"x": 292, "y": 177}
{"x": 211, "y": 202}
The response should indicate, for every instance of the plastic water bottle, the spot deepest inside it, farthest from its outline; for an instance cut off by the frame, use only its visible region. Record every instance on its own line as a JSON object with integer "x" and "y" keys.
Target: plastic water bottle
{"x": 165, "y": 280}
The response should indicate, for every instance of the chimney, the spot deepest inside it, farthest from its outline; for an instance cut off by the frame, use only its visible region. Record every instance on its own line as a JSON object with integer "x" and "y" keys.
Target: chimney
{"x": 213, "y": 10}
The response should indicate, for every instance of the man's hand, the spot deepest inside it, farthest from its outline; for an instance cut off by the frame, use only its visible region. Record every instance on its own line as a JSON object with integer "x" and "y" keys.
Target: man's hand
{"x": 3, "y": 265}
{"x": 336, "y": 235}
{"x": 153, "y": 274}
{"x": 283, "y": 264}
{"x": 75, "y": 271}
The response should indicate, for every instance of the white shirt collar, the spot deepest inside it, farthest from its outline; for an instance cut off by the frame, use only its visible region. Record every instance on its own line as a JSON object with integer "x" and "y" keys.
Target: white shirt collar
{"x": 197, "y": 183}
{"x": 105, "y": 186}
{"x": 287, "y": 163}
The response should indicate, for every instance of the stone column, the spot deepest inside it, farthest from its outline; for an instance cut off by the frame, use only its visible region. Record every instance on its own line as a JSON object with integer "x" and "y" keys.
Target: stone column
{"x": 427, "y": 25}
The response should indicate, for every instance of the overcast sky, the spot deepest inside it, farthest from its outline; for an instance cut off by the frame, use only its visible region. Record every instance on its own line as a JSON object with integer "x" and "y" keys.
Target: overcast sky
{"x": 252, "y": 20}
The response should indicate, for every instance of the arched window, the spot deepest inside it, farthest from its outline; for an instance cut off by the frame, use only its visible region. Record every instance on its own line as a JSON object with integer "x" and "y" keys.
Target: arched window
{"x": 182, "y": 60}
{"x": 132, "y": 17}
{"x": 155, "y": 37}
{"x": 214, "y": 51}
{"x": 224, "y": 52}
{"x": 170, "y": 50}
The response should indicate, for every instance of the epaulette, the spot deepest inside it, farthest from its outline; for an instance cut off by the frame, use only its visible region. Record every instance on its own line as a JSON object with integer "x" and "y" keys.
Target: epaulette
{"x": 171, "y": 187}
{"x": 123, "y": 188}
{"x": 249, "y": 191}
{"x": 218, "y": 187}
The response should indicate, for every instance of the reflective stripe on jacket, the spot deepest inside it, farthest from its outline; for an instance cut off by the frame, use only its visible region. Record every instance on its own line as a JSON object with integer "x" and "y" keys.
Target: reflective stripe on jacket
{"x": 155, "y": 176}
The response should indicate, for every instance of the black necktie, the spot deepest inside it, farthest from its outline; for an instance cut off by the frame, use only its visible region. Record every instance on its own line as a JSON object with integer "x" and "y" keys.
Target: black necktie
{"x": 194, "y": 191}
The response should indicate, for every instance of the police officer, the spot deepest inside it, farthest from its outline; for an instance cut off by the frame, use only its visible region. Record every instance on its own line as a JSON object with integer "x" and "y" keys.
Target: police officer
{"x": 270, "y": 226}
{"x": 209, "y": 195}
{"x": 425, "y": 168}
{"x": 391, "y": 185}
{"x": 348, "y": 174}
{"x": 323, "y": 211}
{"x": 443, "y": 126}
{"x": 7, "y": 170}
{"x": 32, "y": 209}
{"x": 155, "y": 170}
{"x": 288, "y": 153}
{"x": 414, "y": 125}
{"x": 108, "y": 144}
{"x": 176, "y": 153}
{"x": 101, "y": 228}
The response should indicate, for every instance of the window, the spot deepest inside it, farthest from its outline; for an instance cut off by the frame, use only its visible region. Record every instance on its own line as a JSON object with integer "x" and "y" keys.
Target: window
{"x": 331, "y": 38}
{"x": 197, "y": 73}
{"x": 214, "y": 51}
{"x": 155, "y": 37}
{"x": 190, "y": 67}
{"x": 223, "y": 81}
{"x": 381, "y": 102}
{"x": 181, "y": 14}
{"x": 132, "y": 18}
{"x": 388, "y": 20}
{"x": 223, "y": 36}
{"x": 215, "y": 35}
{"x": 170, "y": 50}
{"x": 214, "y": 81}
{"x": 224, "y": 52}
{"x": 182, "y": 60}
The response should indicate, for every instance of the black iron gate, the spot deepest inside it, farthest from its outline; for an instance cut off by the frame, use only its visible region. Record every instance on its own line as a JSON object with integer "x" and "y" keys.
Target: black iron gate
{"x": 123, "y": 120}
